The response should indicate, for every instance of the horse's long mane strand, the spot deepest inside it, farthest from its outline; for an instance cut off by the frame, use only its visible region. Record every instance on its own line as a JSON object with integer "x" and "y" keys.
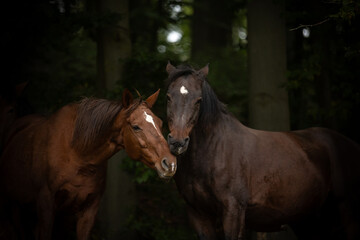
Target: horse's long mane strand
{"x": 93, "y": 121}
{"x": 210, "y": 107}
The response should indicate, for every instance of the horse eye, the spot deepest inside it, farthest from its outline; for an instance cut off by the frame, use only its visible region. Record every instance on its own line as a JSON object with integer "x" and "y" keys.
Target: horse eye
{"x": 198, "y": 101}
{"x": 136, "y": 128}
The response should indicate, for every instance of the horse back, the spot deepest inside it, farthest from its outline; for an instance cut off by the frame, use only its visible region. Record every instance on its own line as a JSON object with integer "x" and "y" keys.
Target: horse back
{"x": 21, "y": 124}
{"x": 335, "y": 154}
{"x": 341, "y": 207}
{"x": 344, "y": 159}
{"x": 20, "y": 175}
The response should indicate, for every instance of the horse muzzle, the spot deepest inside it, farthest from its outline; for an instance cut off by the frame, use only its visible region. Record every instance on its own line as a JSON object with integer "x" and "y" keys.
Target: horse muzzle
{"x": 167, "y": 169}
{"x": 178, "y": 146}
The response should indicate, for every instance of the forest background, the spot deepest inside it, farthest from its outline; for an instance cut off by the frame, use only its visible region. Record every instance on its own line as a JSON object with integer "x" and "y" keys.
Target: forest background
{"x": 276, "y": 64}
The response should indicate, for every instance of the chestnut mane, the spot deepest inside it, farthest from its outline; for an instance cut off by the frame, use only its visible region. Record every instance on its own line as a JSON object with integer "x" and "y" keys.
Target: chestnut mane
{"x": 94, "y": 120}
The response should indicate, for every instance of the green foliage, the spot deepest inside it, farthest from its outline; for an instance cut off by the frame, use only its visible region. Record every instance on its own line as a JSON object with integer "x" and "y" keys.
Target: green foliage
{"x": 160, "y": 214}
{"x": 348, "y": 10}
{"x": 141, "y": 173}
{"x": 63, "y": 73}
{"x": 160, "y": 211}
{"x": 323, "y": 71}
{"x": 228, "y": 78}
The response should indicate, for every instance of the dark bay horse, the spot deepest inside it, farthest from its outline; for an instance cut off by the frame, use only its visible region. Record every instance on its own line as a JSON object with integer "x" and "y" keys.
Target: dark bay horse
{"x": 59, "y": 162}
{"x": 231, "y": 175}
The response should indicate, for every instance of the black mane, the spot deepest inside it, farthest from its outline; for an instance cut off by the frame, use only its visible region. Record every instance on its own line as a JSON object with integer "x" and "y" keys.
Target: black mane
{"x": 180, "y": 71}
{"x": 211, "y": 108}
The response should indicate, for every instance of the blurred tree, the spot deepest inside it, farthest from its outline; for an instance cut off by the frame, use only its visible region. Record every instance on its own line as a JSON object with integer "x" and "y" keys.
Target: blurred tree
{"x": 269, "y": 109}
{"x": 268, "y": 99}
{"x": 211, "y": 28}
{"x": 113, "y": 40}
{"x": 158, "y": 212}
{"x": 112, "y": 34}
{"x": 213, "y": 41}
{"x": 144, "y": 34}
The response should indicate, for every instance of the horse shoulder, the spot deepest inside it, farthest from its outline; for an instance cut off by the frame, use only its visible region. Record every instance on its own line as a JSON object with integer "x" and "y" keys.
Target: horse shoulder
{"x": 214, "y": 171}
{"x": 75, "y": 175}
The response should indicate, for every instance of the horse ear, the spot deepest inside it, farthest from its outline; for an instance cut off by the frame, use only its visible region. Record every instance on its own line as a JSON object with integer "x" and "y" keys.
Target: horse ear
{"x": 170, "y": 68}
{"x": 204, "y": 70}
{"x": 127, "y": 98}
{"x": 152, "y": 99}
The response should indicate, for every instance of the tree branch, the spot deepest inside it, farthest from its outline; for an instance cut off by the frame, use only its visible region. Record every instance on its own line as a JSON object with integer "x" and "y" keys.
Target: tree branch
{"x": 309, "y": 25}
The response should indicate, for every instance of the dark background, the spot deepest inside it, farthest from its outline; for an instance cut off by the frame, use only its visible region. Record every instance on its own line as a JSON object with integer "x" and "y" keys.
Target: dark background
{"x": 62, "y": 49}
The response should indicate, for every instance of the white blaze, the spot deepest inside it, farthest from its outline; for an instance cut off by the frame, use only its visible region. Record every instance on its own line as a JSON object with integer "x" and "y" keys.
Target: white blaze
{"x": 149, "y": 119}
{"x": 183, "y": 90}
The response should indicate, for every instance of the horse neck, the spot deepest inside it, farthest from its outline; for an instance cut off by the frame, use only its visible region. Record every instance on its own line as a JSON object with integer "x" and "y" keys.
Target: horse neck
{"x": 205, "y": 138}
{"x": 206, "y": 149}
{"x": 64, "y": 120}
{"x": 101, "y": 151}
{"x": 204, "y": 132}
{"x": 99, "y": 154}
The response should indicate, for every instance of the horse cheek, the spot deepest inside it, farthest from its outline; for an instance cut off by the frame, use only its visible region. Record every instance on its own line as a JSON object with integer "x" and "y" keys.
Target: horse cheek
{"x": 130, "y": 144}
{"x": 142, "y": 143}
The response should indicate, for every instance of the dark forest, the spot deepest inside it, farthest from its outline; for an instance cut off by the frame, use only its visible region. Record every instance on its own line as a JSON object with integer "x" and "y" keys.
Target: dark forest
{"x": 277, "y": 65}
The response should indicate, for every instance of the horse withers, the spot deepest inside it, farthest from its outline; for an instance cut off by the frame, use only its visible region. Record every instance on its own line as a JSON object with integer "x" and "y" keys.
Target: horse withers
{"x": 58, "y": 163}
{"x": 232, "y": 176}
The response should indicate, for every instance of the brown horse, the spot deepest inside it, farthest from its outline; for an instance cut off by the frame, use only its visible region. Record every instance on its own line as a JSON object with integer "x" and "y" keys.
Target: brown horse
{"x": 232, "y": 176}
{"x": 59, "y": 162}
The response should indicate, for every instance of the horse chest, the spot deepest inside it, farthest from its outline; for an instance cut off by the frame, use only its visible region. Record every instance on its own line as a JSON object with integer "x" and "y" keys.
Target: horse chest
{"x": 195, "y": 189}
{"x": 198, "y": 195}
{"x": 81, "y": 189}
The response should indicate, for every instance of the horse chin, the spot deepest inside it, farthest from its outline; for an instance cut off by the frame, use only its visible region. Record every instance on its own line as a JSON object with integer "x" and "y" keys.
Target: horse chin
{"x": 166, "y": 176}
{"x": 178, "y": 151}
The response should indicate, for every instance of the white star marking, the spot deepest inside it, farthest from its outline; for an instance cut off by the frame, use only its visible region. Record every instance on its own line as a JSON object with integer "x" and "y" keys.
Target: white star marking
{"x": 183, "y": 90}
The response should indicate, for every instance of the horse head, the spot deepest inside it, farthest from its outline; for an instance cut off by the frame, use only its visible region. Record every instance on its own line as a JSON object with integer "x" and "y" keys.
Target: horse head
{"x": 142, "y": 136}
{"x": 184, "y": 97}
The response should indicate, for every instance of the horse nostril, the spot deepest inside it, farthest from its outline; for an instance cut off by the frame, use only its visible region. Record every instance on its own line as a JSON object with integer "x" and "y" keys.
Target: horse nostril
{"x": 186, "y": 139}
{"x": 169, "y": 137}
{"x": 165, "y": 164}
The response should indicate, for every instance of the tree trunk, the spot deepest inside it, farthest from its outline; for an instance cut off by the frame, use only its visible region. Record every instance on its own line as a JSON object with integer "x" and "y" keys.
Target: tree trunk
{"x": 144, "y": 33}
{"x": 211, "y": 29}
{"x": 113, "y": 48}
{"x": 269, "y": 109}
{"x": 118, "y": 201}
{"x": 113, "y": 42}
